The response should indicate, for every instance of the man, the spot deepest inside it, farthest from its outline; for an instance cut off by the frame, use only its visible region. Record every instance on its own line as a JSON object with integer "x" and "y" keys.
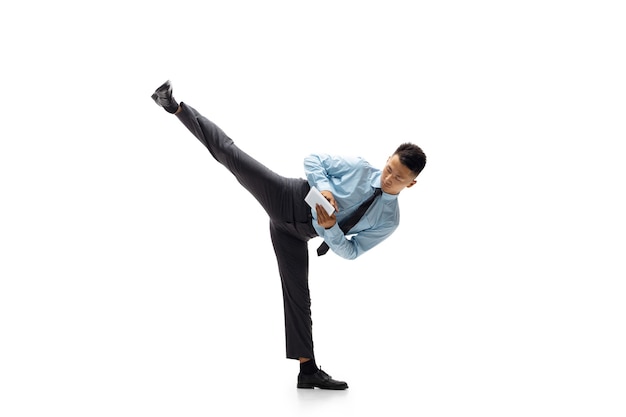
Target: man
{"x": 366, "y": 207}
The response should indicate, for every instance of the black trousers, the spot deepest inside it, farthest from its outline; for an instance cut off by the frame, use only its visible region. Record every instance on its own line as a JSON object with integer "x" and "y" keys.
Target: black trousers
{"x": 290, "y": 224}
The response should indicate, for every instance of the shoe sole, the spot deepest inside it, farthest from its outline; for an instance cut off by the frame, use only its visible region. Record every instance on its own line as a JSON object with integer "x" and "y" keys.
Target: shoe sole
{"x": 311, "y": 386}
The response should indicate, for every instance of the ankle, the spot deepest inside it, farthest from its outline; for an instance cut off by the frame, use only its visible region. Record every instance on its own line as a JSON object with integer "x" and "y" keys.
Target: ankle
{"x": 308, "y": 367}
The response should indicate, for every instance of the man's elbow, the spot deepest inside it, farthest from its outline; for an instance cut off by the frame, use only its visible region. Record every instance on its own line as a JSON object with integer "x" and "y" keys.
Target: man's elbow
{"x": 349, "y": 255}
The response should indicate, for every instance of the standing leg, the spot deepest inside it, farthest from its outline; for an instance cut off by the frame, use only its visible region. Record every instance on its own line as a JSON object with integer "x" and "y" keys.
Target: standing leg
{"x": 293, "y": 265}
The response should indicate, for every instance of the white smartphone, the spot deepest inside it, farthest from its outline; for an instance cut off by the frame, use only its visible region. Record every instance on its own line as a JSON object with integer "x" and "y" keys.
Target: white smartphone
{"x": 314, "y": 197}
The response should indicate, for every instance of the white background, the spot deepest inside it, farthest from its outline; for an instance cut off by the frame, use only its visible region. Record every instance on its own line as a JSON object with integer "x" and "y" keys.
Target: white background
{"x": 137, "y": 278}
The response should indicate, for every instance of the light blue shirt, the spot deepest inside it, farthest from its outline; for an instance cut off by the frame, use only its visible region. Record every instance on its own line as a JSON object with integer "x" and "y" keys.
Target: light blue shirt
{"x": 352, "y": 181}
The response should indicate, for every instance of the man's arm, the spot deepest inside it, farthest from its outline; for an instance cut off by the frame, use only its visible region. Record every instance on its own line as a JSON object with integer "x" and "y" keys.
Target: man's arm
{"x": 321, "y": 168}
{"x": 358, "y": 244}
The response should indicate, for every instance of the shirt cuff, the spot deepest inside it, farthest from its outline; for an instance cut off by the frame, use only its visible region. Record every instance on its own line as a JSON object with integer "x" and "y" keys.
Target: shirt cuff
{"x": 333, "y": 235}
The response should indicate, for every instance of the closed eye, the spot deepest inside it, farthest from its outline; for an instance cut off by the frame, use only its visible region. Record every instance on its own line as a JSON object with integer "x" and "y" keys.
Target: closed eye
{"x": 390, "y": 171}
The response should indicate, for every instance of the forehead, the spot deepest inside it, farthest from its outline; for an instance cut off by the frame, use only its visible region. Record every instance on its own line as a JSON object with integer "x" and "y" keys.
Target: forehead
{"x": 398, "y": 167}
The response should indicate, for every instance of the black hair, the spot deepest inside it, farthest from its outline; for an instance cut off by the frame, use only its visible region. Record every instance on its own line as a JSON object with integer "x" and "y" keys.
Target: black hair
{"x": 412, "y": 157}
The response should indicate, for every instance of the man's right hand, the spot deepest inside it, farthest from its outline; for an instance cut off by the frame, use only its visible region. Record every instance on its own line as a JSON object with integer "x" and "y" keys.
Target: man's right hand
{"x": 323, "y": 219}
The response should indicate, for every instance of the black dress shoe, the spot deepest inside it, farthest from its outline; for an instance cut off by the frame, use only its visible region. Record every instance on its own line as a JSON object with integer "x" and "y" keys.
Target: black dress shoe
{"x": 320, "y": 379}
{"x": 163, "y": 97}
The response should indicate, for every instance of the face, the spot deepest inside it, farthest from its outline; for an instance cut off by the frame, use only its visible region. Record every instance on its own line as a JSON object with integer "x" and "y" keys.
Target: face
{"x": 396, "y": 177}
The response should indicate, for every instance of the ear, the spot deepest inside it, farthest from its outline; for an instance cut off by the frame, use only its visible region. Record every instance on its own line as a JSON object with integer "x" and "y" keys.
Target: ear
{"x": 411, "y": 184}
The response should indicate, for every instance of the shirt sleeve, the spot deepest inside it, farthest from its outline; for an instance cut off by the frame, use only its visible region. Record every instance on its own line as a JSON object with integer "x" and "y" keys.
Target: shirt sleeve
{"x": 320, "y": 168}
{"x": 358, "y": 244}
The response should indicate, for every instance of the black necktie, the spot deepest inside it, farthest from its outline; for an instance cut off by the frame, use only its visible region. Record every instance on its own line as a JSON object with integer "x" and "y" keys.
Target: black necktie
{"x": 351, "y": 221}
